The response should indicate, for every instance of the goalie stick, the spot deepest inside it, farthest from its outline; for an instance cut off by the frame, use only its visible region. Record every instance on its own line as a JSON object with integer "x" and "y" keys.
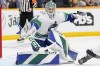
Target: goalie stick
{"x": 34, "y": 43}
{"x": 38, "y": 47}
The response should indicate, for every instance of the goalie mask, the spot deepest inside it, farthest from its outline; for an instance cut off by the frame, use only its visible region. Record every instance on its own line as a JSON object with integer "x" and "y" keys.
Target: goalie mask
{"x": 50, "y": 8}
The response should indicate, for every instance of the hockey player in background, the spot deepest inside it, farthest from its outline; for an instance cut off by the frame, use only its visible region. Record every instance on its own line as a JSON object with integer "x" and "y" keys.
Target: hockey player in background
{"x": 42, "y": 31}
{"x": 90, "y": 53}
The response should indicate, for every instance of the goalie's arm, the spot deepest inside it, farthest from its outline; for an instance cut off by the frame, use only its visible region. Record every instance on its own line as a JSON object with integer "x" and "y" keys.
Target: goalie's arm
{"x": 72, "y": 16}
{"x": 69, "y": 17}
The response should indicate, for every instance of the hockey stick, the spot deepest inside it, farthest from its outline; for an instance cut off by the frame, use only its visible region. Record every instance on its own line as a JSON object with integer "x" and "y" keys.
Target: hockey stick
{"x": 37, "y": 46}
{"x": 34, "y": 43}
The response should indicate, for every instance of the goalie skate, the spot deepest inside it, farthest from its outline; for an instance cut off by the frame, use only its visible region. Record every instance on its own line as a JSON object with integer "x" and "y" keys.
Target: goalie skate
{"x": 20, "y": 39}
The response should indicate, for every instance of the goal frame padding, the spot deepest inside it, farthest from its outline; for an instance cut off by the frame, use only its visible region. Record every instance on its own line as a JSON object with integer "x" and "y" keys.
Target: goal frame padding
{"x": 0, "y": 34}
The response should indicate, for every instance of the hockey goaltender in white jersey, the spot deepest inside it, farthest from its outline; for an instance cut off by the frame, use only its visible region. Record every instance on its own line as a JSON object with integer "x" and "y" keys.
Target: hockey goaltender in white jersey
{"x": 42, "y": 31}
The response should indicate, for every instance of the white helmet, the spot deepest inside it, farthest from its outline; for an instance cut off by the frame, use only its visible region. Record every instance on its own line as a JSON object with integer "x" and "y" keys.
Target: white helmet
{"x": 50, "y": 8}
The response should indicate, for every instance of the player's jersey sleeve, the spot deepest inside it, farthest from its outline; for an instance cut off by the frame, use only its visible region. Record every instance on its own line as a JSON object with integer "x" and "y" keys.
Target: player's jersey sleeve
{"x": 69, "y": 17}
{"x": 36, "y": 22}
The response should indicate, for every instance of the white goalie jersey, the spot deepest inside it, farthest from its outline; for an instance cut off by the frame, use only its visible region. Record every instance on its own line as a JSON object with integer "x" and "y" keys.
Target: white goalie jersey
{"x": 42, "y": 23}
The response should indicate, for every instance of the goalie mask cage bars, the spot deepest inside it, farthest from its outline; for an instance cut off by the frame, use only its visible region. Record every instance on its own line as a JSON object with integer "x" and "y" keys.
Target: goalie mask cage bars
{"x": 0, "y": 34}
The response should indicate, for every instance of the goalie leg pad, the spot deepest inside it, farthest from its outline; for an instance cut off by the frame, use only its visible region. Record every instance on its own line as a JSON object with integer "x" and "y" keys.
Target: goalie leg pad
{"x": 72, "y": 54}
{"x": 37, "y": 58}
{"x": 61, "y": 45}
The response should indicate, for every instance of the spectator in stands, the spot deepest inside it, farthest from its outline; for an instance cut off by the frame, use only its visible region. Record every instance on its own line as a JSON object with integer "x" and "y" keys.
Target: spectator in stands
{"x": 97, "y": 3}
{"x": 66, "y": 3}
{"x": 59, "y": 3}
{"x": 74, "y": 3}
{"x": 3, "y": 3}
{"x": 93, "y": 2}
{"x": 41, "y": 3}
{"x": 18, "y": 3}
{"x": 81, "y": 3}
{"x": 0, "y": 3}
{"x": 89, "y": 2}
{"x": 11, "y": 4}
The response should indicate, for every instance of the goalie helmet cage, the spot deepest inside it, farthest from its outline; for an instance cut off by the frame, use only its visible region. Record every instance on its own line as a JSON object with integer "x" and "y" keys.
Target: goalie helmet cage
{"x": 0, "y": 34}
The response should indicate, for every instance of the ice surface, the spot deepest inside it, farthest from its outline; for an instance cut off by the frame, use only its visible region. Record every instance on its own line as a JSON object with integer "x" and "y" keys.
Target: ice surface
{"x": 80, "y": 44}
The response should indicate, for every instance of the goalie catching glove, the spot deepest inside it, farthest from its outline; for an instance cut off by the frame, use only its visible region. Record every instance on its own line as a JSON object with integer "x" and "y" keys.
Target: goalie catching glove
{"x": 79, "y": 14}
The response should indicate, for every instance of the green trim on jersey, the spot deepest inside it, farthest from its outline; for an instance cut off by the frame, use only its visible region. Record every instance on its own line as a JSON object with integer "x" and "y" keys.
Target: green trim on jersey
{"x": 38, "y": 35}
{"x": 38, "y": 22}
{"x": 66, "y": 15}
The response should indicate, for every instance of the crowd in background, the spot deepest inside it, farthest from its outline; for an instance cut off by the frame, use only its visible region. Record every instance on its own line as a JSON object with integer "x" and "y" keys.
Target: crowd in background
{"x": 89, "y": 3}
{"x": 59, "y": 3}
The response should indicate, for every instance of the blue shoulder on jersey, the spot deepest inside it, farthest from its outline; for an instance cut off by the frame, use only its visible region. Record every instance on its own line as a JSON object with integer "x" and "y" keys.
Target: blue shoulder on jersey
{"x": 69, "y": 17}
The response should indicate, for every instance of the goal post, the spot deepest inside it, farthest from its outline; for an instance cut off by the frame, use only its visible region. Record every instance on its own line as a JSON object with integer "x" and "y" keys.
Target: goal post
{"x": 0, "y": 34}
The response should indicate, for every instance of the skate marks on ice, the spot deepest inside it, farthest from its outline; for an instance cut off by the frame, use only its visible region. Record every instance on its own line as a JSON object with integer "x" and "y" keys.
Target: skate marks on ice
{"x": 81, "y": 44}
{"x": 10, "y": 48}
{"x": 16, "y": 45}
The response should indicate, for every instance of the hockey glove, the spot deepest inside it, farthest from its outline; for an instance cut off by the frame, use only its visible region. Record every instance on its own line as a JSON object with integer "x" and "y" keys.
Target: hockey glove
{"x": 53, "y": 26}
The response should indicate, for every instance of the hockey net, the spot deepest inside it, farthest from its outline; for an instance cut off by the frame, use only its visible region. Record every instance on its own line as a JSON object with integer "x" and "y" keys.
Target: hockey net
{"x": 0, "y": 34}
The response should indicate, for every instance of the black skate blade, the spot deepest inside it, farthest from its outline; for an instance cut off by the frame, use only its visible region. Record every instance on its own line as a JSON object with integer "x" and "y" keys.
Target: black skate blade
{"x": 22, "y": 41}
